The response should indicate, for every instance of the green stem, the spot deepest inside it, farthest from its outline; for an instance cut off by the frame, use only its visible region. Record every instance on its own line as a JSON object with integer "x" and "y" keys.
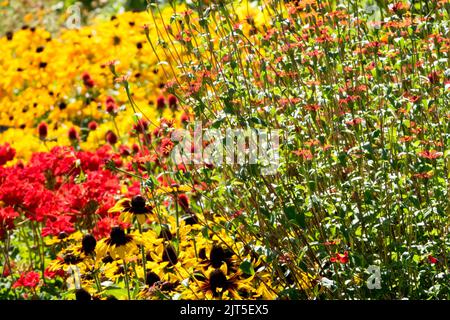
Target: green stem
{"x": 144, "y": 259}
{"x": 127, "y": 283}
{"x": 177, "y": 218}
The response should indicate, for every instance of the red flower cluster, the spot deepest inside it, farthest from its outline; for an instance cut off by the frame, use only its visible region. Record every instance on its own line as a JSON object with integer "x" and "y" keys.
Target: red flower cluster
{"x": 53, "y": 274}
{"x": 27, "y": 280}
{"x": 87, "y": 80}
{"x": 61, "y": 188}
{"x": 111, "y": 106}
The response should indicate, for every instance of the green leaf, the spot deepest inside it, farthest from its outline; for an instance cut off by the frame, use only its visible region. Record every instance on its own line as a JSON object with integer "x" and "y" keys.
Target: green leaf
{"x": 247, "y": 268}
{"x": 295, "y": 216}
{"x": 120, "y": 294}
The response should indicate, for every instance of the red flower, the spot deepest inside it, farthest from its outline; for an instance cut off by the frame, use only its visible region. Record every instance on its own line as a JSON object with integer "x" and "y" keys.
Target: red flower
{"x": 28, "y": 280}
{"x": 124, "y": 150}
{"x": 183, "y": 201}
{"x": 87, "y": 80}
{"x": 422, "y": 175}
{"x": 57, "y": 225}
{"x": 406, "y": 139}
{"x": 92, "y": 125}
{"x": 312, "y": 107}
{"x": 237, "y": 214}
{"x": 353, "y": 122}
{"x": 398, "y": 7}
{"x": 172, "y": 101}
{"x": 141, "y": 126}
{"x": 161, "y": 103}
{"x": 7, "y": 216}
{"x": 135, "y": 148}
{"x": 166, "y": 146}
{"x": 432, "y": 259}
{"x": 6, "y": 271}
{"x": 111, "y": 106}
{"x": 6, "y": 153}
{"x": 111, "y": 137}
{"x": 52, "y": 274}
{"x": 332, "y": 243}
{"x": 43, "y": 130}
{"x": 73, "y": 134}
{"x": 340, "y": 258}
{"x": 184, "y": 118}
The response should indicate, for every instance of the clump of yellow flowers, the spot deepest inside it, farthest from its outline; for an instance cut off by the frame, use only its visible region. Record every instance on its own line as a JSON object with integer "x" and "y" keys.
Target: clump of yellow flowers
{"x": 43, "y": 80}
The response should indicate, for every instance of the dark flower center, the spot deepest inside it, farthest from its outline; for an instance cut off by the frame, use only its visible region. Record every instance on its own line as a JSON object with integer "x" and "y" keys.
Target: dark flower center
{"x": 82, "y": 295}
{"x": 88, "y": 244}
{"x": 138, "y": 205}
{"x": 217, "y": 279}
{"x": 170, "y": 255}
{"x": 152, "y": 278}
{"x": 62, "y": 235}
{"x": 191, "y": 219}
{"x": 165, "y": 233}
{"x": 202, "y": 254}
{"x": 168, "y": 286}
{"x": 70, "y": 258}
{"x": 107, "y": 259}
{"x": 217, "y": 256}
{"x": 118, "y": 237}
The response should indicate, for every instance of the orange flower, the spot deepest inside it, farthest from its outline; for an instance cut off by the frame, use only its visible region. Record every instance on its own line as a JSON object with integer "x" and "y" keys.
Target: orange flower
{"x": 429, "y": 154}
